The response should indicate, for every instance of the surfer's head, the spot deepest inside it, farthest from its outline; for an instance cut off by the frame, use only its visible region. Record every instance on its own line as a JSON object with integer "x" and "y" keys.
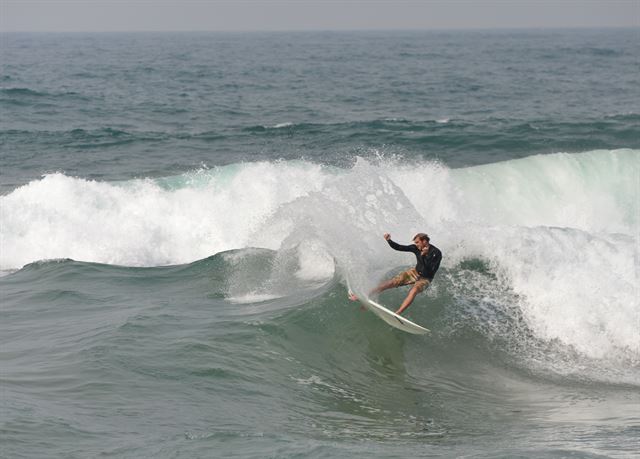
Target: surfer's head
{"x": 421, "y": 237}
{"x": 421, "y": 240}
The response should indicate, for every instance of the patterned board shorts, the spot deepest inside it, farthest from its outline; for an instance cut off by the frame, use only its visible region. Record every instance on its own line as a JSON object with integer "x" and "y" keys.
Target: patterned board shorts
{"x": 410, "y": 277}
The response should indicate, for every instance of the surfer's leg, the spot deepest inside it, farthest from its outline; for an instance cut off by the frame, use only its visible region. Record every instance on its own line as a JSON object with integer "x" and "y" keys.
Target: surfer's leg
{"x": 409, "y": 299}
{"x": 401, "y": 279}
{"x": 418, "y": 287}
{"x": 391, "y": 283}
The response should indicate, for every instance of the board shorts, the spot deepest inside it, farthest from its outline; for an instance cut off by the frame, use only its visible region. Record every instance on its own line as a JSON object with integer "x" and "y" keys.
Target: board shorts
{"x": 411, "y": 277}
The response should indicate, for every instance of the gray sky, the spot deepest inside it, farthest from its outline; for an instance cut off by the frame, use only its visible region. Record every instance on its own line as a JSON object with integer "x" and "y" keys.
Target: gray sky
{"x": 240, "y": 15}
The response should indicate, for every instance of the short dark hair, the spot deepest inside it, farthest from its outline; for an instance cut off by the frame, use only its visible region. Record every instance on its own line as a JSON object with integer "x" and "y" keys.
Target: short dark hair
{"x": 422, "y": 237}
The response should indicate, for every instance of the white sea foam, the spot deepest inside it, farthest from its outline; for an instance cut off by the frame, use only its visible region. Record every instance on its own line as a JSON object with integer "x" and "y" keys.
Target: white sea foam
{"x": 282, "y": 125}
{"x": 144, "y": 222}
{"x": 253, "y": 297}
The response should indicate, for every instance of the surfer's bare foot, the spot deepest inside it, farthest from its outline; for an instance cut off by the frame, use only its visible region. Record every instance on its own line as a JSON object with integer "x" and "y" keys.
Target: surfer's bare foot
{"x": 352, "y": 296}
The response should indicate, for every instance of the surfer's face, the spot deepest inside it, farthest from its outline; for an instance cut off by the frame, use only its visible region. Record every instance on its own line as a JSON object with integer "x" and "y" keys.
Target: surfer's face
{"x": 420, "y": 244}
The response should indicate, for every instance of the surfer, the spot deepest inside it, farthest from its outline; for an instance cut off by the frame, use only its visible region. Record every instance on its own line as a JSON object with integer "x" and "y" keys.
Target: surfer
{"x": 428, "y": 261}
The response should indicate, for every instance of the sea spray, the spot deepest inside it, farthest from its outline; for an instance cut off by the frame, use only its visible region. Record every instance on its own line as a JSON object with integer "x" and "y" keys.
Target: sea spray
{"x": 593, "y": 191}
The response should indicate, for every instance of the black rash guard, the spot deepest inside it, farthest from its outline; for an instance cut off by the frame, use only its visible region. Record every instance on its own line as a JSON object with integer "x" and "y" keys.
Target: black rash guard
{"x": 427, "y": 264}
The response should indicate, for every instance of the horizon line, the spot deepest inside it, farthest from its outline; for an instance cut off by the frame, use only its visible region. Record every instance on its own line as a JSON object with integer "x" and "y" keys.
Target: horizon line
{"x": 321, "y": 30}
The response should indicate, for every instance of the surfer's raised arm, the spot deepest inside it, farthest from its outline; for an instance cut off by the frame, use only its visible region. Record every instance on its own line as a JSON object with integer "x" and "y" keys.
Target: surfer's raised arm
{"x": 399, "y": 247}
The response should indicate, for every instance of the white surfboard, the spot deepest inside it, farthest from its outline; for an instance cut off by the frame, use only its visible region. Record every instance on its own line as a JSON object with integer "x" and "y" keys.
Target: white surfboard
{"x": 390, "y": 317}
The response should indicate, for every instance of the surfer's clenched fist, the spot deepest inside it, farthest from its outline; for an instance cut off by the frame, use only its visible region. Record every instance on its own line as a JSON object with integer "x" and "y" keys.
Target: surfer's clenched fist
{"x": 386, "y": 236}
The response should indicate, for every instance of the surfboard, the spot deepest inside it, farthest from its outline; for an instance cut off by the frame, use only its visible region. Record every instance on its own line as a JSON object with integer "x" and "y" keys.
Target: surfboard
{"x": 390, "y": 317}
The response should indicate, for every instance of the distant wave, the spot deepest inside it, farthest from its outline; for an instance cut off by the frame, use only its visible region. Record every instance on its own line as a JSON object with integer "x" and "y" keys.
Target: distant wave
{"x": 21, "y": 92}
{"x": 18, "y": 95}
{"x": 454, "y": 141}
{"x": 282, "y": 125}
{"x": 397, "y": 123}
{"x": 105, "y": 137}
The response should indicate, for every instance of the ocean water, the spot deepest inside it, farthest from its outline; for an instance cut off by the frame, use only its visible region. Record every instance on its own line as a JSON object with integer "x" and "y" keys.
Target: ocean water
{"x": 180, "y": 213}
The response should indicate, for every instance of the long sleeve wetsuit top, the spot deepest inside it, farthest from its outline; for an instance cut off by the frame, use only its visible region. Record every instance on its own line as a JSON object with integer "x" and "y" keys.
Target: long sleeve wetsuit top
{"x": 427, "y": 264}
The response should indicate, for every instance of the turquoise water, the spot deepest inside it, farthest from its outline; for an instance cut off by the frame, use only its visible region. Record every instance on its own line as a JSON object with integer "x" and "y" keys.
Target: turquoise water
{"x": 180, "y": 212}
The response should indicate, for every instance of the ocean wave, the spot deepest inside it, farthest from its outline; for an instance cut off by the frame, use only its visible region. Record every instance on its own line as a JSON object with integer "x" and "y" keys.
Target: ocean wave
{"x": 21, "y": 92}
{"x": 25, "y": 95}
{"x": 375, "y": 124}
{"x": 83, "y": 139}
{"x": 554, "y": 236}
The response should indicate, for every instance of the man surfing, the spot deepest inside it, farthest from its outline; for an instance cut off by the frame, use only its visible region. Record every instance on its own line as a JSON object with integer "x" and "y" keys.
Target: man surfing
{"x": 428, "y": 261}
